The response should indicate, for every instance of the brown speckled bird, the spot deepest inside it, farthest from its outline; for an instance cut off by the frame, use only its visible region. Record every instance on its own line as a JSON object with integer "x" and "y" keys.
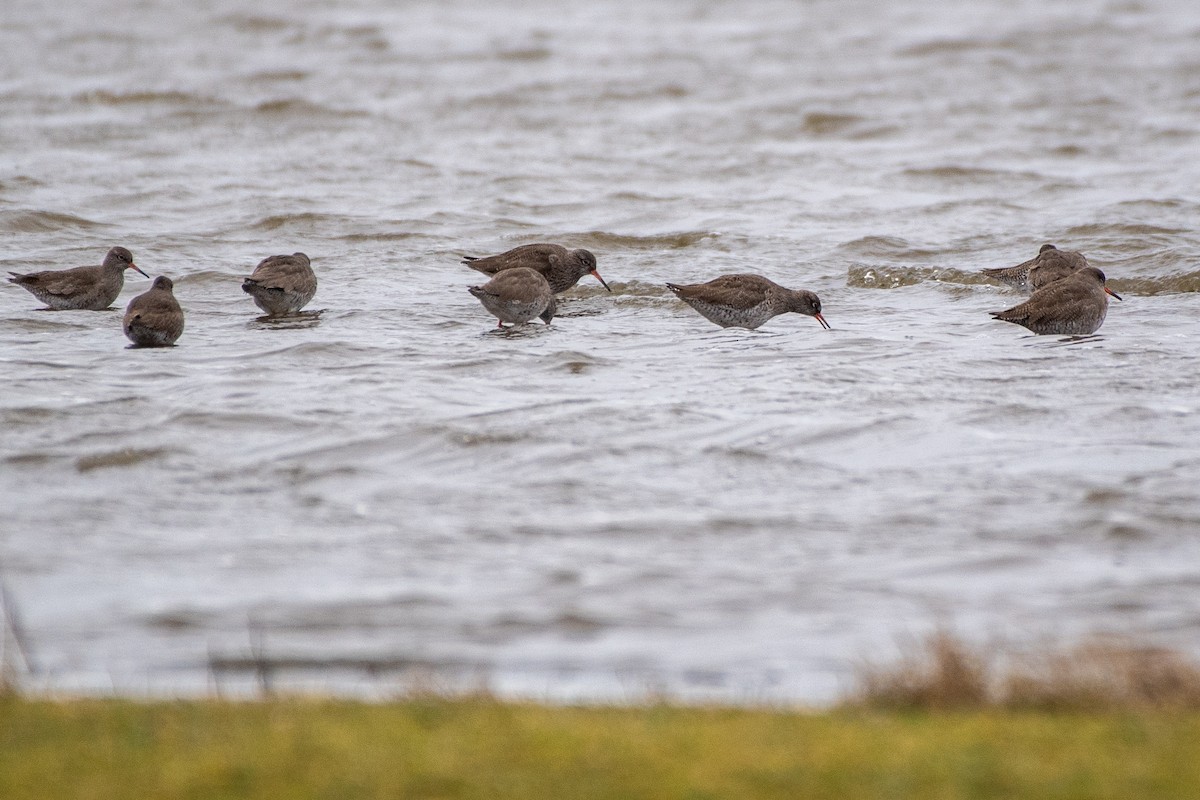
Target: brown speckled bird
{"x": 1073, "y": 306}
{"x": 1049, "y": 265}
{"x": 561, "y": 268}
{"x": 282, "y": 285}
{"x": 83, "y": 288}
{"x": 517, "y": 296}
{"x": 154, "y": 319}
{"x": 746, "y": 301}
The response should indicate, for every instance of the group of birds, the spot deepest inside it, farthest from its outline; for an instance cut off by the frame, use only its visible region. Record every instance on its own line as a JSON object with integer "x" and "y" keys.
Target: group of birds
{"x": 1068, "y": 296}
{"x": 526, "y": 279}
{"x": 280, "y": 285}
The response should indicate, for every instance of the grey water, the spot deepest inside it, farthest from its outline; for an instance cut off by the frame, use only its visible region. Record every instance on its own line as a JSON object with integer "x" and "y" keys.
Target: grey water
{"x": 631, "y": 499}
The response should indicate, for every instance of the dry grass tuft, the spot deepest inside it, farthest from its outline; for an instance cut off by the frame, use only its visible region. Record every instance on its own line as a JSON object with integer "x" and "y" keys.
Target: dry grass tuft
{"x": 944, "y": 673}
{"x": 1104, "y": 674}
{"x": 11, "y": 646}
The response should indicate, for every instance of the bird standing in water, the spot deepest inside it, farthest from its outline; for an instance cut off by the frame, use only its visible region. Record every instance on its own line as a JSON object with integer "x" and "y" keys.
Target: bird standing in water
{"x": 154, "y": 318}
{"x": 517, "y": 296}
{"x": 746, "y": 301}
{"x": 561, "y": 268}
{"x": 282, "y": 285}
{"x": 1047, "y": 266}
{"x": 80, "y": 288}
{"x": 1074, "y": 306}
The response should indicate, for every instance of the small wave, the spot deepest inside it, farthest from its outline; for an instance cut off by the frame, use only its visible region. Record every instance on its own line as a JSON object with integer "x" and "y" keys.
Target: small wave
{"x": 864, "y": 276}
{"x": 49, "y": 321}
{"x": 669, "y": 91}
{"x": 183, "y": 619}
{"x": 368, "y": 37}
{"x": 574, "y": 362}
{"x": 44, "y": 222}
{"x": 502, "y": 102}
{"x": 1068, "y": 150}
{"x": 959, "y": 175}
{"x": 256, "y": 23}
{"x": 22, "y": 181}
{"x": 281, "y": 75}
{"x": 485, "y": 438}
{"x": 212, "y": 277}
{"x": 1122, "y": 229}
{"x": 1175, "y": 134}
{"x": 943, "y": 46}
{"x": 1156, "y": 203}
{"x": 779, "y": 122}
{"x": 344, "y": 351}
{"x": 525, "y": 54}
{"x": 120, "y": 37}
{"x": 299, "y": 107}
{"x": 27, "y": 415}
{"x": 671, "y": 241}
{"x": 635, "y": 289}
{"x": 388, "y": 236}
{"x": 873, "y": 276}
{"x": 125, "y": 457}
{"x": 886, "y": 247}
{"x": 226, "y": 421}
{"x": 373, "y": 665}
{"x": 576, "y": 624}
{"x": 1173, "y": 284}
{"x": 632, "y": 195}
{"x": 31, "y": 459}
{"x": 827, "y": 123}
{"x": 149, "y": 97}
{"x": 308, "y": 221}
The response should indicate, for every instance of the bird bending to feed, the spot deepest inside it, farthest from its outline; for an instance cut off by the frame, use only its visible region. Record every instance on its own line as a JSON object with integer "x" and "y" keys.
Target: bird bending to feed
{"x": 562, "y": 268}
{"x": 85, "y": 288}
{"x": 746, "y": 301}
{"x": 282, "y": 285}
{"x": 1049, "y": 265}
{"x": 517, "y": 296}
{"x": 154, "y": 318}
{"x": 1072, "y": 306}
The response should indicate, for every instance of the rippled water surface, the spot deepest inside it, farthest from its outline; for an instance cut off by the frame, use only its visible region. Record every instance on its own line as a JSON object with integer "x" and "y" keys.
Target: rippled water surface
{"x": 630, "y": 499}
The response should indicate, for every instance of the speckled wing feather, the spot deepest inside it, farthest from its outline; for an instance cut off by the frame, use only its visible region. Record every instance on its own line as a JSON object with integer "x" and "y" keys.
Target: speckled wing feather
{"x": 540, "y": 257}
{"x": 740, "y": 292}
{"x": 1017, "y": 276}
{"x": 1054, "y": 265}
{"x": 60, "y": 282}
{"x": 287, "y": 273}
{"x": 1059, "y": 307}
{"x": 517, "y": 287}
{"x": 153, "y": 303}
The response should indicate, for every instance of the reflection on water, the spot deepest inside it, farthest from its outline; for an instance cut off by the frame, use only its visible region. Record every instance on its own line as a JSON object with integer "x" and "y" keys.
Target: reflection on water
{"x": 299, "y": 321}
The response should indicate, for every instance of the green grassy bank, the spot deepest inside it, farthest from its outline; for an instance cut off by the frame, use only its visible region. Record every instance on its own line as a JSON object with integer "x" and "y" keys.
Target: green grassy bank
{"x": 481, "y": 748}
